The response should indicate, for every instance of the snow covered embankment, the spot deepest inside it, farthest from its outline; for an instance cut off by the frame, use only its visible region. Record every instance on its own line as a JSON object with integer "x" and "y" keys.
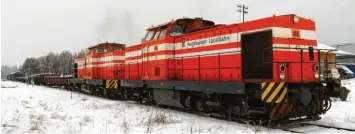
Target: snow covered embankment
{"x": 37, "y": 109}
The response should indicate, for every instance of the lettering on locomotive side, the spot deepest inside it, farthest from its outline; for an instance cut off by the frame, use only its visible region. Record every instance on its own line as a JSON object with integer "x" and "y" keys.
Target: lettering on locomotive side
{"x": 196, "y": 43}
{"x": 219, "y": 39}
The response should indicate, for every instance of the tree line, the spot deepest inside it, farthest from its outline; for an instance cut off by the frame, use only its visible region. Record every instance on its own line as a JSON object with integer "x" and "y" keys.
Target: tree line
{"x": 59, "y": 63}
{"x": 6, "y": 69}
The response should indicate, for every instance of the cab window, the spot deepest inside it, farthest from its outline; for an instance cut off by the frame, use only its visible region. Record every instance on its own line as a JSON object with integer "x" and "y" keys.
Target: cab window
{"x": 88, "y": 51}
{"x": 177, "y": 30}
{"x": 116, "y": 48}
{"x": 150, "y": 35}
{"x": 156, "y": 36}
{"x": 162, "y": 33}
{"x": 101, "y": 50}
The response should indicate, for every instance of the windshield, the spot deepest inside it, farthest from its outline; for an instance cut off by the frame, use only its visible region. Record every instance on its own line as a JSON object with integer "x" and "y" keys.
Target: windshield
{"x": 162, "y": 33}
{"x": 116, "y": 48}
{"x": 150, "y": 35}
{"x": 347, "y": 70}
{"x": 176, "y": 30}
{"x": 101, "y": 50}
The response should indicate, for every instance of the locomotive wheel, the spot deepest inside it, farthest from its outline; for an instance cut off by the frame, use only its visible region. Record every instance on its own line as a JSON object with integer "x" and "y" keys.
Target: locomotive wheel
{"x": 200, "y": 104}
{"x": 92, "y": 90}
{"x": 101, "y": 91}
{"x": 83, "y": 87}
{"x": 104, "y": 92}
{"x": 229, "y": 111}
{"x": 95, "y": 91}
{"x": 202, "y": 107}
{"x": 187, "y": 102}
{"x": 114, "y": 93}
{"x": 108, "y": 92}
{"x": 111, "y": 93}
{"x": 207, "y": 110}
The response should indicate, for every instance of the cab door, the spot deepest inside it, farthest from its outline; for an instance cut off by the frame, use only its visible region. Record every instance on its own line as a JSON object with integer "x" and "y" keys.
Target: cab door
{"x": 257, "y": 55}
{"x": 150, "y": 42}
{"x": 176, "y": 66}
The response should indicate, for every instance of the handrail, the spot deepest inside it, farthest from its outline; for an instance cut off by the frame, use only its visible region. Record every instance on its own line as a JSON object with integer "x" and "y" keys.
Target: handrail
{"x": 302, "y": 59}
{"x": 206, "y": 54}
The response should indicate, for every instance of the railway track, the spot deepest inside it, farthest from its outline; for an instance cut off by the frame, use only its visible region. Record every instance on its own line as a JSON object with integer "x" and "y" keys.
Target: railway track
{"x": 330, "y": 127}
{"x": 293, "y": 129}
{"x": 241, "y": 120}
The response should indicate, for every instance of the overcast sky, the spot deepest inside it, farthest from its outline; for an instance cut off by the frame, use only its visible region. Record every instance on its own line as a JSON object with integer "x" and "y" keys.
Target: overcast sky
{"x": 32, "y": 28}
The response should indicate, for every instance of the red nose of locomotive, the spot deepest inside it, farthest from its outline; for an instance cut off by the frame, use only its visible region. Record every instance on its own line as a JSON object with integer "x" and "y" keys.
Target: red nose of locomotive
{"x": 298, "y": 82}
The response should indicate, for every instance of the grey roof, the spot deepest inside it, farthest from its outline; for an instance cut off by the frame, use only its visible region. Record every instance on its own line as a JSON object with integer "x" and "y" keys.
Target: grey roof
{"x": 338, "y": 52}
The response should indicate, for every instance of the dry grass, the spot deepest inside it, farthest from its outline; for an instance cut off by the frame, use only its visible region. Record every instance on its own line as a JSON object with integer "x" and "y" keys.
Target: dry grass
{"x": 36, "y": 122}
{"x": 55, "y": 115}
{"x": 85, "y": 120}
{"x": 157, "y": 117}
{"x": 18, "y": 116}
{"x": 349, "y": 118}
{"x": 125, "y": 125}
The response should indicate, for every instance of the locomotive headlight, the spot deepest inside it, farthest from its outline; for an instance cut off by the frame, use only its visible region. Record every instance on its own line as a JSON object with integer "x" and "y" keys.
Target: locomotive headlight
{"x": 282, "y": 72}
{"x": 296, "y": 19}
{"x": 316, "y": 75}
{"x": 282, "y": 76}
{"x": 316, "y": 68}
{"x": 316, "y": 71}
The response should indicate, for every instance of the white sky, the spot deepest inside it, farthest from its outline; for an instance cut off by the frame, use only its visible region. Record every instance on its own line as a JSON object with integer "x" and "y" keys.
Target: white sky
{"x": 32, "y": 28}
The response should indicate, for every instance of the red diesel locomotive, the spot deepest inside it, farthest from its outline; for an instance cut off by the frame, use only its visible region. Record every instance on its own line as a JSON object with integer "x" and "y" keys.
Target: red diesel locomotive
{"x": 265, "y": 69}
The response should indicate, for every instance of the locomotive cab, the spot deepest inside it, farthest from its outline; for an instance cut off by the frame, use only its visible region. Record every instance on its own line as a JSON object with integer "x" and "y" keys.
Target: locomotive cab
{"x": 158, "y": 46}
{"x": 102, "y": 66}
{"x": 100, "y": 61}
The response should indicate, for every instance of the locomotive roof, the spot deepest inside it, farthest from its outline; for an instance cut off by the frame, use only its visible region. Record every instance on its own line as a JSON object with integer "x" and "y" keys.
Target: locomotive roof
{"x": 180, "y": 19}
{"x": 206, "y": 21}
{"x": 107, "y": 43}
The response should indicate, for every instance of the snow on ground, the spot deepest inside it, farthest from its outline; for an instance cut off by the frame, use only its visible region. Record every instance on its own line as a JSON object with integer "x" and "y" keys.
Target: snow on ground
{"x": 8, "y": 85}
{"x": 38, "y": 109}
{"x": 342, "y": 114}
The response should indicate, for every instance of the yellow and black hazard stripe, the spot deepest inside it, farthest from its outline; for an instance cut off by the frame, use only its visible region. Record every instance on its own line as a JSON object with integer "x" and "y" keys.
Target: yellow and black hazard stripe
{"x": 274, "y": 92}
{"x": 115, "y": 84}
{"x": 111, "y": 84}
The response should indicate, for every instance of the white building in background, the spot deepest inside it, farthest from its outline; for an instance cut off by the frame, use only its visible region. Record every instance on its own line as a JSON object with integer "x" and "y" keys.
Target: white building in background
{"x": 338, "y": 52}
{"x": 340, "y": 55}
